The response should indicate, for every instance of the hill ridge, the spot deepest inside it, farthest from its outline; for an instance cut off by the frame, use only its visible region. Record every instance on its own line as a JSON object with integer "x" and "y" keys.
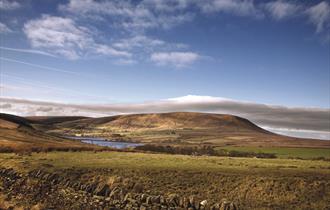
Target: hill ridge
{"x": 177, "y": 128}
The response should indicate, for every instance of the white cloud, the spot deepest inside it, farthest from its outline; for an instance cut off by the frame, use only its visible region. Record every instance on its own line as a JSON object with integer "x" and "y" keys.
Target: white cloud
{"x": 138, "y": 42}
{"x": 111, "y": 8}
{"x": 62, "y": 36}
{"x": 299, "y": 121}
{"x": 106, "y": 50}
{"x": 166, "y": 14}
{"x": 300, "y": 133}
{"x": 319, "y": 15}
{"x": 9, "y": 5}
{"x": 126, "y": 23}
{"x": 136, "y": 18}
{"x": 177, "y": 59}
{"x": 142, "y": 46}
{"x": 281, "y": 9}
{"x": 58, "y": 35}
{"x": 168, "y": 5}
{"x": 5, "y": 106}
{"x": 238, "y": 7}
{"x": 196, "y": 99}
{"x": 4, "y": 28}
{"x": 126, "y": 14}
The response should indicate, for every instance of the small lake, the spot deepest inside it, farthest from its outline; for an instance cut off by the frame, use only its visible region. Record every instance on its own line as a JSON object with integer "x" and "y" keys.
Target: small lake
{"x": 106, "y": 143}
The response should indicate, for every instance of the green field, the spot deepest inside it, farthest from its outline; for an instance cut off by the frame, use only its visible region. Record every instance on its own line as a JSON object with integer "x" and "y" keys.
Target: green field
{"x": 251, "y": 183}
{"x": 62, "y": 160}
{"x": 280, "y": 152}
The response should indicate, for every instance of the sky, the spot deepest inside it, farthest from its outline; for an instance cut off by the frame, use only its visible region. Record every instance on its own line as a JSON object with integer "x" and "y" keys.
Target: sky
{"x": 268, "y": 61}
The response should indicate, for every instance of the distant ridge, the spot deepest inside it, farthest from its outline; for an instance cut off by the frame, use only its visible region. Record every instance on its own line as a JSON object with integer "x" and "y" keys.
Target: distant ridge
{"x": 53, "y": 119}
{"x": 19, "y": 121}
{"x": 182, "y": 128}
{"x": 177, "y": 128}
{"x": 172, "y": 120}
{"x": 20, "y": 134}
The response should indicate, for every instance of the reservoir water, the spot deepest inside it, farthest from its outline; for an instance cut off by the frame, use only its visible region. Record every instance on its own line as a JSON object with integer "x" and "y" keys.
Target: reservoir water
{"x": 106, "y": 143}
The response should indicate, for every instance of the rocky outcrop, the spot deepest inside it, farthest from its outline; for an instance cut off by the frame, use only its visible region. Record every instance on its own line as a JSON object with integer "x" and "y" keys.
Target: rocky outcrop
{"x": 53, "y": 191}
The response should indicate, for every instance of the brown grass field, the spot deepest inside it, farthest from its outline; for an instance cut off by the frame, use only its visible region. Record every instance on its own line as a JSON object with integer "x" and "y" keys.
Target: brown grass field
{"x": 41, "y": 170}
{"x": 250, "y": 183}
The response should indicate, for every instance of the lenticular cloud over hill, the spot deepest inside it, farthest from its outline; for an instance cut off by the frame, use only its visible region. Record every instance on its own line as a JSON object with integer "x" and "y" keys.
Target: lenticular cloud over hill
{"x": 294, "y": 121}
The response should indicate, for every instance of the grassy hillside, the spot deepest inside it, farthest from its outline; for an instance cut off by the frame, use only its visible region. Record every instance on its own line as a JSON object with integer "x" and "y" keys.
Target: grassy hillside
{"x": 18, "y": 134}
{"x": 75, "y": 180}
{"x": 182, "y": 128}
{"x": 53, "y": 120}
{"x": 250, "y": 183}
{"x": 13, "y": 121}
{"x": 179, "y": 129}
{"x": 167, "y": 121}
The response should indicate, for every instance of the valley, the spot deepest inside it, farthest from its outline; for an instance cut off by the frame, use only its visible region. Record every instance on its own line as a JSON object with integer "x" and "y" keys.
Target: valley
{"x": 185, "y": 161}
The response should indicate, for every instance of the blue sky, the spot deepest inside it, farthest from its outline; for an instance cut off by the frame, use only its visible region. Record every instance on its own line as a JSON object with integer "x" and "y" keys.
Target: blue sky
{"x": 112, "y": 52}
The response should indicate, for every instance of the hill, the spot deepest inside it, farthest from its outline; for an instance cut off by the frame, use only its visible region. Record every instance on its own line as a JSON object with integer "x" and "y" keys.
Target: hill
{"x": 175, "y": 120}
{"x": 46, "y": 120}
{"x": 13, "y": 122}
{"x": 182, "y": 128}
{"x": 19, "y": 134}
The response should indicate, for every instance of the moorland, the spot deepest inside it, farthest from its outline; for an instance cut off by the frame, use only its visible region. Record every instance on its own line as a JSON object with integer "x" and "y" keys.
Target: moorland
{"x": 188, "y": 160}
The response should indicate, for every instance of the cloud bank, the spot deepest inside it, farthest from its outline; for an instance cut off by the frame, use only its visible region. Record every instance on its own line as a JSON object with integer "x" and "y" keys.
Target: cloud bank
{"x": 302, "y": 122}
